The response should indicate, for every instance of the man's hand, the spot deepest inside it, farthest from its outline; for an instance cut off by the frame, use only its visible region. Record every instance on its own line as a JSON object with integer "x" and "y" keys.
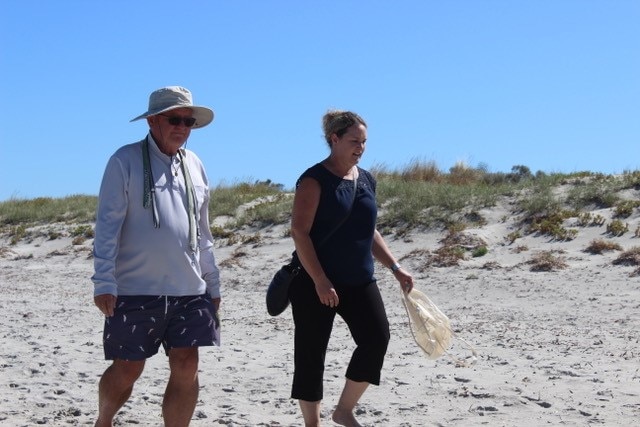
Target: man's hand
{"x": 106, "y": 303}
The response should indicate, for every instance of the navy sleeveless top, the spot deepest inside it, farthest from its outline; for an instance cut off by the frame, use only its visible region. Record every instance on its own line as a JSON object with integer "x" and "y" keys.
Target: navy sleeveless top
{"x": 346, "y": 257}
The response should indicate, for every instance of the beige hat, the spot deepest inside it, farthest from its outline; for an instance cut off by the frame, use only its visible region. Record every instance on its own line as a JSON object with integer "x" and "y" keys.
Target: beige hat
{"x": 172, "y": 97}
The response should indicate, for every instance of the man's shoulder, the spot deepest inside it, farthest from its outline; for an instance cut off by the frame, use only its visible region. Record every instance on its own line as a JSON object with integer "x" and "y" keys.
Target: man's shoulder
{"x": 129, "y": 149}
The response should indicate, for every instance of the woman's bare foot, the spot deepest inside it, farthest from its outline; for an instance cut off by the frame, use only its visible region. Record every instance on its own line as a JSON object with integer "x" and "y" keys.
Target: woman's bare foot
{"x": 345, "y": 418}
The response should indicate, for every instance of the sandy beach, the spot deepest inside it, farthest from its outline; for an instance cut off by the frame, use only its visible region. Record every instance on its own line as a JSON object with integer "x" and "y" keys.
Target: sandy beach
{"x": 555, "y": 348}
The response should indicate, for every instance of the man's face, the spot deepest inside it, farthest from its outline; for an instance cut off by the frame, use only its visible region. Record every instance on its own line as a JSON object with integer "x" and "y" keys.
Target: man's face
{"x": 170, "y": 137}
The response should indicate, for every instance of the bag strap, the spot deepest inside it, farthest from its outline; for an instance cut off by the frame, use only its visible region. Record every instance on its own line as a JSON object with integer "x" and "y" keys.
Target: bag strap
{"x": 342, "y": 221}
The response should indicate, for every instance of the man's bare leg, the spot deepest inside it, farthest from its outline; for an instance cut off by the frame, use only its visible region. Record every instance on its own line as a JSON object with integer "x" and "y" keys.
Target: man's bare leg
{"x": 181, "y": 394}
{"x": 351, "y": 394}
{"x": 310, "y": 412}
{"x": 115, "y": 388}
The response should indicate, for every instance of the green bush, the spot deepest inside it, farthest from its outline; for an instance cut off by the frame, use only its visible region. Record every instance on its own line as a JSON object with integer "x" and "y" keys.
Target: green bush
{"x": 77, "y": 208}
{"x": 617, "y": 227}
{"x": 480, "y": 251}
{"x": 420, "y": 195}
{"x": 225, "y": 200}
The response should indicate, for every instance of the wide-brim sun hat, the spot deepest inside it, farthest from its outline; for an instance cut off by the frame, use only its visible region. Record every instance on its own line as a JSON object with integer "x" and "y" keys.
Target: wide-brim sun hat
{"x": 173, "y": 97}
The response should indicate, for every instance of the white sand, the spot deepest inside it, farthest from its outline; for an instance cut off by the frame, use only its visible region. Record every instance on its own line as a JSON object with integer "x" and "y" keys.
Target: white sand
{"x": 555, "y": 348}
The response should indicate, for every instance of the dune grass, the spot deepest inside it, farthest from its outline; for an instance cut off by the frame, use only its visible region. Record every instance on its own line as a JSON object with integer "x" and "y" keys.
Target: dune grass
{"x": 419, "y": 195}
{"x": 226, "y": 199}
{"x": 42, "y": 210}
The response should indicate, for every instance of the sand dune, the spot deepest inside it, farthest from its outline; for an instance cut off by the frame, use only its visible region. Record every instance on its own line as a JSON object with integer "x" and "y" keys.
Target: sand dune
{"x": 556, "y": 348}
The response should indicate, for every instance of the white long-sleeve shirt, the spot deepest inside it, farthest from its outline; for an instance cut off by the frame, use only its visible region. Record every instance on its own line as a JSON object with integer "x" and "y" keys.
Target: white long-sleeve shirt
{"x": 131, "y": 256}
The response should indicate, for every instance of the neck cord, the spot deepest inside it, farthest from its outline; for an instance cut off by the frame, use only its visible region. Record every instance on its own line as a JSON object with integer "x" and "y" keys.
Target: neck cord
{"x": 149, "y": 195}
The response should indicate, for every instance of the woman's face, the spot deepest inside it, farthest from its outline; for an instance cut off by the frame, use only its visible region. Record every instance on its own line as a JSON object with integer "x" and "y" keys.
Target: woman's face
{"x": 351, "y": 145}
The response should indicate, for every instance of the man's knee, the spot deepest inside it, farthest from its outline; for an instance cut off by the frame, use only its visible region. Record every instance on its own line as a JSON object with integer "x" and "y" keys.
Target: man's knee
{"x": 126, "y": 370}
{"x": 184, "y": 361}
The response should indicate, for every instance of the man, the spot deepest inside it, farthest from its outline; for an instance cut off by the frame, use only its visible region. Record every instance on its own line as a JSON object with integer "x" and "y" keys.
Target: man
{"x": 156, "y": 279}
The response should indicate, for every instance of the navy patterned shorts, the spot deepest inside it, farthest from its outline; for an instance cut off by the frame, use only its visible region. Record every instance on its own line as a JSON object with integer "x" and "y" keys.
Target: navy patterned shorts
{"x": 141, "y": 323}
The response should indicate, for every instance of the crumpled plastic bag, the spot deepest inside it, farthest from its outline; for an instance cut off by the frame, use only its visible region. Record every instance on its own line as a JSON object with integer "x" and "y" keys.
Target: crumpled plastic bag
{"x": 430, "y": 327}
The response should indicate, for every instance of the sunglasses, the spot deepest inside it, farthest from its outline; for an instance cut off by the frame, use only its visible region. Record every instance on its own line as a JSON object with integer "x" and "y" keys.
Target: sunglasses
{"x": 176, "y": 120}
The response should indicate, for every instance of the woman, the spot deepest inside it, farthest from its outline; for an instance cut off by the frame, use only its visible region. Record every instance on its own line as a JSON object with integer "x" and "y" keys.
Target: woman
{"x": 338, "y": 273}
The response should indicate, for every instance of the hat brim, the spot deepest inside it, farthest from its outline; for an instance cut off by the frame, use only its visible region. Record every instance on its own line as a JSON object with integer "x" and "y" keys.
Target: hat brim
{"x": 203, "y": 115}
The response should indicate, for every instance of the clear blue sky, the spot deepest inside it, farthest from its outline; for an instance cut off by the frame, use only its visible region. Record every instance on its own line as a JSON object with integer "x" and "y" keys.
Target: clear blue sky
{"x": 550, "y": 84}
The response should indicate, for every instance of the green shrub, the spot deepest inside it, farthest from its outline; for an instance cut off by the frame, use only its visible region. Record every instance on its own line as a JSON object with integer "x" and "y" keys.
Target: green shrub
{"x": 552, "y": 225}
{"x": 18, "y": 233}
{"x": 511, "y": 237}
{"x": 418, "y": 196}
{"x": 225, "y": 200}
{"x": 274, "y": 210}
{"x": 586, "y": 219}
{"x": 220, "y": 233}
{"x": 54, "y": 235}
{"x": 538, "y": 201}
{"x": 617, "y": 227}
{"x": 598, "y": 192}
{"x": 85, "y": 231}
{"x": 625, "y": 208}
{"x": 77, "y": 208}
{"x": 480, "y": 251}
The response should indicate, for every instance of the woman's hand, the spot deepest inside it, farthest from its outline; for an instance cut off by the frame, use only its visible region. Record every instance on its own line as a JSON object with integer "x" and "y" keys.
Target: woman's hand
{"x": 327, "y": 294}
{"x": 405, "y": 279}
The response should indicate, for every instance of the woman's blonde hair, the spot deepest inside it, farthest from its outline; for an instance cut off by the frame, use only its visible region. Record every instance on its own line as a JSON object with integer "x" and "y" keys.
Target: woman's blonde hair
{"x": 338, "y": 121}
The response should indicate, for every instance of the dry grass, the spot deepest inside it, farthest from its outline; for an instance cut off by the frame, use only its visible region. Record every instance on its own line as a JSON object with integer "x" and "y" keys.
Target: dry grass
{"x": 598, "y": 246}
{"x": 463, "y": 240}
{"x": 417, "y": 171}
{"x": 491, "y": 265}
{"x": 420, "y": 257}
{"x": 447, "y": 256}
{"x": 235, "y": 258}
{"x": 629, "y": 257}
{"x": 6, "y": 252}
{"x": 454, "y": 247}
{"x": 547, "y": 261}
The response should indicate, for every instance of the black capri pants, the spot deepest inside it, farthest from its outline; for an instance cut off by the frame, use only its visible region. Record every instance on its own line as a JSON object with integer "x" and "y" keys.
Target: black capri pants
{"x": 363, "y": 311}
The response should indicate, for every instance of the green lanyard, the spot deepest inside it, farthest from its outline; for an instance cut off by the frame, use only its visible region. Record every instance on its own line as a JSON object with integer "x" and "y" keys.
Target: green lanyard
{"x": 149, "y": 195}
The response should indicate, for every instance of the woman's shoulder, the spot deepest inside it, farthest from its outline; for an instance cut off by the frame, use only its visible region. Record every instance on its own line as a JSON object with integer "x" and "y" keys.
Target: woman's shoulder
{"x": 317, "y": 172}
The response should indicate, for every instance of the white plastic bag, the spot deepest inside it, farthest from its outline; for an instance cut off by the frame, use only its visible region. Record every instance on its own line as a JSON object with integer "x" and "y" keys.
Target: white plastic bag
{"x": 430, "y": 326}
